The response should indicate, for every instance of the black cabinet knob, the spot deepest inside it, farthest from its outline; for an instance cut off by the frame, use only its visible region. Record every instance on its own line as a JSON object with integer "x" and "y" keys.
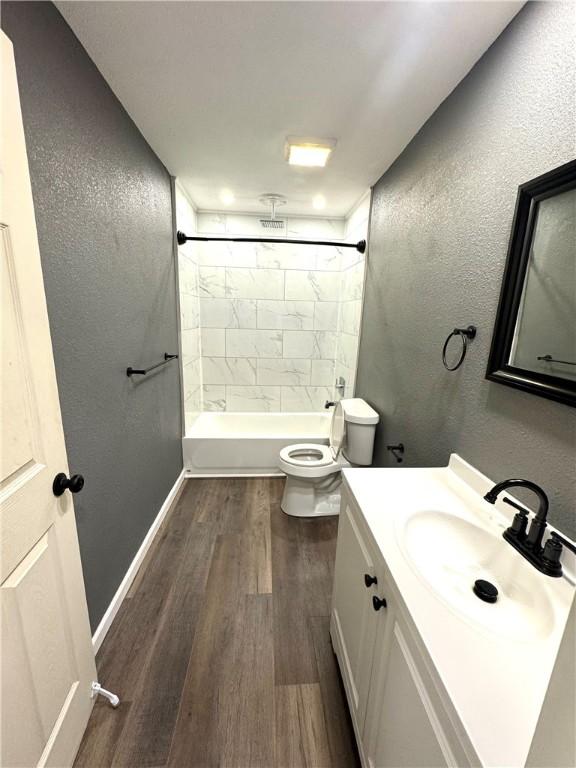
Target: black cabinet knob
{"x": 62, "y": 483}
{"x": 369, "y": 580}
{"x": 551, "y": 557}
{"x": 378, "y": 602}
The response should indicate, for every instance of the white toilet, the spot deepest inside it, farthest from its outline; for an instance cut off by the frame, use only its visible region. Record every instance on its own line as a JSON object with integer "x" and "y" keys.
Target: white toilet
{"x": 313, "y": 474}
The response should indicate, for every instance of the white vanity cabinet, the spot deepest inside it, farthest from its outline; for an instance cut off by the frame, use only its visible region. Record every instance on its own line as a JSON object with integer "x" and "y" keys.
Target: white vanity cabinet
{"x": 434, "y": 676}
{"x": 398, "y": 714}
{"x": 405, "y": 725}
{"x": 354, "y": 622}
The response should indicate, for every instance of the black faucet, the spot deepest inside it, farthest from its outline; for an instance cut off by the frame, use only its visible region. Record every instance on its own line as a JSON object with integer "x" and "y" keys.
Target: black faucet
{"x": 547, "y": 558}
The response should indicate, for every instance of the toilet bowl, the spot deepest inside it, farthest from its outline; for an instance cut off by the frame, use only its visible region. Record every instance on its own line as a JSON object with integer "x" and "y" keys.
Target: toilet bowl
{"x": 313, "y": 472}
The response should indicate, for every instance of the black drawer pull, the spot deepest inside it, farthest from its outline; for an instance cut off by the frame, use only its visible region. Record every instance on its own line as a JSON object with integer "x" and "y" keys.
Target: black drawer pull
{"x": 378, "y": 602}
{"x": 369, "y": 580}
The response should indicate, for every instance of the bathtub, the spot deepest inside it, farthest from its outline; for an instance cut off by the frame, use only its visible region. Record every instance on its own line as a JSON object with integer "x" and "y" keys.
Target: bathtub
{"x": 248, "y": 443}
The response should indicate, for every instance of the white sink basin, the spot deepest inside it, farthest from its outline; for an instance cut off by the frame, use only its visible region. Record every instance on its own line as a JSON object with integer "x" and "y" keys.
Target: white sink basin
{"x": 450, "y": 552}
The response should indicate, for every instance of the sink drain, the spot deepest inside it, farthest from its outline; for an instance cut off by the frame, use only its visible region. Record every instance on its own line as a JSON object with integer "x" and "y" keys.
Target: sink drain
{"x": 485, "y": 591}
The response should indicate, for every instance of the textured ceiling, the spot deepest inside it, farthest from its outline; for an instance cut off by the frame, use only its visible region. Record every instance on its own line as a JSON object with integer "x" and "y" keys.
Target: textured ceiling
{"x": 215, "y": 87}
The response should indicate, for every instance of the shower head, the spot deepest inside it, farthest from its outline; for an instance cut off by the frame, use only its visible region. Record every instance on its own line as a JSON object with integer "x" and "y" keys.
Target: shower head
{"x": 273, "y": 201}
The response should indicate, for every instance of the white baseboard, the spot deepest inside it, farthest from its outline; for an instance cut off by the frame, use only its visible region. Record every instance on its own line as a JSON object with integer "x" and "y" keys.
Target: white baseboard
{"x": 190, "y": 474}
{"x": 130, "y": 574}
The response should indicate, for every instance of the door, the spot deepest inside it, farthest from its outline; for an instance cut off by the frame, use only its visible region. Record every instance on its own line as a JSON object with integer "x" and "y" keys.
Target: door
{"x": 354, "y": 619}
{"x": 47, "y": 658}
{"x": 403, "y": 729}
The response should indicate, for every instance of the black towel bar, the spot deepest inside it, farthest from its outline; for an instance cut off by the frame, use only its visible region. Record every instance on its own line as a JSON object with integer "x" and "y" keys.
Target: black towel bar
{"x": 143, "y": 371}
{"x": 550, "y": 359}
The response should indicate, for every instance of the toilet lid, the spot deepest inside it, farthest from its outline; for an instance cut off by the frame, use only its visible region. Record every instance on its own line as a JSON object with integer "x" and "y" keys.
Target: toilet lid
{"x": 337, "y": 430}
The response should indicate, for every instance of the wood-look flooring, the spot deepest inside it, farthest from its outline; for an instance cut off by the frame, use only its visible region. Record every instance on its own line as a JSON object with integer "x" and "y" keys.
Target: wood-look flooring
{"x": 221, "y": 652}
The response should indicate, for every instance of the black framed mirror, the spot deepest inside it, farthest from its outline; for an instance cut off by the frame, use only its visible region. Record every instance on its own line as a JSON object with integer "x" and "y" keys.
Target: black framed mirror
{"x": 534, "y": 340}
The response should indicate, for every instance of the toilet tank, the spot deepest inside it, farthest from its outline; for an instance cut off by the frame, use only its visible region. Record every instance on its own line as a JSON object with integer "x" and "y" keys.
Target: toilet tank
{"x": 361, "y": 422}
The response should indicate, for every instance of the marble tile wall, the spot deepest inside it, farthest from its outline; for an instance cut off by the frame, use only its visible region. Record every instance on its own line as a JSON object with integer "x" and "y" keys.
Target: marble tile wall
{"x": 268, "y": 327}
{"x": 269, "y": 315}
{"x": 190, "y": 338}
{"x": 351, "y": 295}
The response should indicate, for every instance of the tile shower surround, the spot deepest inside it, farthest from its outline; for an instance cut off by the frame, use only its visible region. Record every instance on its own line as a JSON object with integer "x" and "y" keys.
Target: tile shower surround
{"x": 274, "y": 312}
{"x": 189, "y": 312}
{"x": 351, "y": 290}
{"x": 270, "y": 317}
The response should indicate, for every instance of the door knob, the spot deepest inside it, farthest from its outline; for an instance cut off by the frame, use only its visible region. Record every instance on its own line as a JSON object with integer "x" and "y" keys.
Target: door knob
{"x": 62, "y": 483}
{"x": 369, "y": 580}
{"x": 378, "y": 602}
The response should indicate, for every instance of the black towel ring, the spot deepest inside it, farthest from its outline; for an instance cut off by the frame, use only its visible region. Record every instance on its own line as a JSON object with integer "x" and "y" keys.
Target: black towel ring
{"x": 466, "y": 335}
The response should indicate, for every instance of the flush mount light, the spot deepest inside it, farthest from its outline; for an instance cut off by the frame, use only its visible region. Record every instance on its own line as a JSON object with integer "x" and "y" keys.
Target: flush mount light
{"x": 227, "y": 197}
{"x": 319, "y": 202}
{"x": 309, "y": 152}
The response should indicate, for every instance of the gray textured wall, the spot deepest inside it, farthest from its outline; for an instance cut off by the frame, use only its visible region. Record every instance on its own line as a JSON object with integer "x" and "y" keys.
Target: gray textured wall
{"x": 104, "y": 214}
{"x": 441, "y": 218}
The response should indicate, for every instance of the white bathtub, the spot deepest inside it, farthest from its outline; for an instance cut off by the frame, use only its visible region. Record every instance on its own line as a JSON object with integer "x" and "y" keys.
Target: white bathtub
{"x": 248, "y": 443}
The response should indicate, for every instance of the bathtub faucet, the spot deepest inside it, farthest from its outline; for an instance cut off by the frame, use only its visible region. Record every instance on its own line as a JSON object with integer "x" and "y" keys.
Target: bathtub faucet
{"x": 329, "y": 404}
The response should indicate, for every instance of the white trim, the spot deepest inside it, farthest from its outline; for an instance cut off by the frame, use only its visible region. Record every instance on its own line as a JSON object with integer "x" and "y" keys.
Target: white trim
{"x": 358, "y": 203}
{"x": 190, "y": 474}
{"x": 126, "y": 583}
{"x": 184, "y": 192}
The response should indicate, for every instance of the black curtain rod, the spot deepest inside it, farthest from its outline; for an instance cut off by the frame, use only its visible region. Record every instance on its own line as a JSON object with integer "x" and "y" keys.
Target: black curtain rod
{"x": 183, "y": 238}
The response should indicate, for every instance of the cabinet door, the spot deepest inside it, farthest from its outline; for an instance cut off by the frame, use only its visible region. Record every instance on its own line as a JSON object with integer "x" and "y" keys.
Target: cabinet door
{"x": 404, "y": 730}
{"x": 354, "y": 620}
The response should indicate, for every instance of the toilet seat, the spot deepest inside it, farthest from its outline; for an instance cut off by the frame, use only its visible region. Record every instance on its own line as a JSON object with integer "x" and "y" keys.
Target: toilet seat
{"x": 307, "y": 455}
{"x": 308, "y": 460}
{"x": 312, "y": 459}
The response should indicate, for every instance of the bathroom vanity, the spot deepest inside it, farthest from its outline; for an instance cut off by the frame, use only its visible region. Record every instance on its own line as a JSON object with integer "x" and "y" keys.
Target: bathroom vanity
{"x": 434, "y": 675}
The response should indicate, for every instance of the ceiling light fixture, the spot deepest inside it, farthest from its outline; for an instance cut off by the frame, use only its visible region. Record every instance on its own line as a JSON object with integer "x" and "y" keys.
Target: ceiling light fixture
{"x": 309, "y": 152}
{"x": 227, "y": 197}
{"x": 319, "y": 202}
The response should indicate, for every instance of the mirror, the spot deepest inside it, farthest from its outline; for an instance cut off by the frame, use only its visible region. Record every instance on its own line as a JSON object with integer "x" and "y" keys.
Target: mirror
{"x": 534, "y": 341}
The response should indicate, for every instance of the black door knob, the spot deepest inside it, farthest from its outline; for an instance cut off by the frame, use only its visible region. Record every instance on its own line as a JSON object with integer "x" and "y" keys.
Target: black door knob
{"x": 378, "y": 602}
{"x": 62, "y": 483}
{"x": 369, "y": 580}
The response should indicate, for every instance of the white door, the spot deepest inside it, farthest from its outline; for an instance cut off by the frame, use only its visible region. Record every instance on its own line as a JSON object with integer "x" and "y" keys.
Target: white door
{"x": 46, "y": 655}
{"x": 354, "y": 620}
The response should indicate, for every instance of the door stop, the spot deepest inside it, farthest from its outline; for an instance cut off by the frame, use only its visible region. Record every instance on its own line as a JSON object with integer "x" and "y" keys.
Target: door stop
{"x": 112, "y": 698}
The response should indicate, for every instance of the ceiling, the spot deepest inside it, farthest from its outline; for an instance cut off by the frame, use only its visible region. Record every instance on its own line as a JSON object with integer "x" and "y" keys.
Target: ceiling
{"x": 216, "y": 87}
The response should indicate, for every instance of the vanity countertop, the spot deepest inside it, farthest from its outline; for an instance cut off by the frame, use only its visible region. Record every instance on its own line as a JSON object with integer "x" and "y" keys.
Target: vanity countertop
{"x": 495, "y": 661}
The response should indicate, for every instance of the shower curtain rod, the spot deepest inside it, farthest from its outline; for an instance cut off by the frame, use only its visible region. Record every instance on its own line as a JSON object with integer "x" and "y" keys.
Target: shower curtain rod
{"x": 182, "y": 238}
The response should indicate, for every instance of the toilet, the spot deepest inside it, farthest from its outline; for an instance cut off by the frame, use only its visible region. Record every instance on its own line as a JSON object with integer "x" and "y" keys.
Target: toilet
{"x": 312, "y": 471}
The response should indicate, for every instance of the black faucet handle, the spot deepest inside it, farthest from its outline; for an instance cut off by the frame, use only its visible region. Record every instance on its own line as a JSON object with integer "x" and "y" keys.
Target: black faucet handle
{"x": 561, "y": 540}
{"x": 519, "y": 524}
{"x": 516, "y": 505}
{"x": 520, "y": 520}
{"x": 551, "y": 557}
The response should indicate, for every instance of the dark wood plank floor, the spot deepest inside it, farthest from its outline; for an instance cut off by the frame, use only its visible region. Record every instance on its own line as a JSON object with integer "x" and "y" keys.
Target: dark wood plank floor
{"x": 221, "y": 652}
